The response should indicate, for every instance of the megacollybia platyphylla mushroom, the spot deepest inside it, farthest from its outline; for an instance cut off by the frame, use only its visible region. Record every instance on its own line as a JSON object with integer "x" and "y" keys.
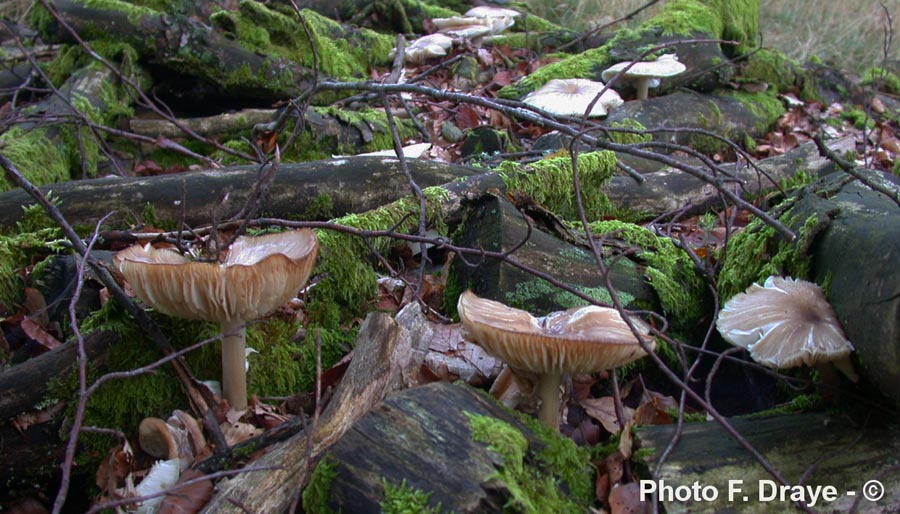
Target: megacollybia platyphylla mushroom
{"x": 256, "y": 275}
{"x": 571, "y": 97}
{"x": 580, "y": 340}
{"x": 644, "y": 74}
{"x": 784, "y": 323}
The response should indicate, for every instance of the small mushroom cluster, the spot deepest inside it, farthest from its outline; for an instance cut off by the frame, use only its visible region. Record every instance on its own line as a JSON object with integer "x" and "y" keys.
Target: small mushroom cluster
{"x": 784, "y": 323}
{"x": 580, "y": 340}
{"x": 256, "y": 275}
{"x": 477, "y": 23}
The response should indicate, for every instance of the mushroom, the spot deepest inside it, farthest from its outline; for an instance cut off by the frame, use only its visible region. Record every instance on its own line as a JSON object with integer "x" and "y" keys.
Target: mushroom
{"x": 473, "y": 27}
{"x": 256, "y": 275}
{"x": 487, "y": 11}
{"x": 571, "y": 97}
{"x": 579, "y": 340}
{"x": 786, "y": 323}
{"x": 645, "y": 74}
{"x": 426, "y": 47}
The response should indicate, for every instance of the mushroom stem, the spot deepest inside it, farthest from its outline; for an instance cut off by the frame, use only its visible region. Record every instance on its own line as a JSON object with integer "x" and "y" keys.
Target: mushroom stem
{"x": 548, "y": 391}
{"x": 643, "y": 88}
{"x": 234, "y": 374}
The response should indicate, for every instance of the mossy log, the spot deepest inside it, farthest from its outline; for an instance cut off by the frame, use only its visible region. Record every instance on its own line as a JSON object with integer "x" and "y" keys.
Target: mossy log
{"x": 182, "y": 44}
{"x": 46, "y": 153}
{"x": 857, "y": 256}
{"x": 817, "y": 449}
{"x": 387, "y": 353}
{"x": 421, "y": 440}
{"x": 494, "y": 224}
{"x": 316, "y": 190}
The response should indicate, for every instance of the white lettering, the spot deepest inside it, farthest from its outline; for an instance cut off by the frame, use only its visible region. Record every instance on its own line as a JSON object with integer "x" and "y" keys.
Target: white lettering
{"x": 808, "y": 494}
{"x": 734, "y": 487}
{"x": 648, "y": 487}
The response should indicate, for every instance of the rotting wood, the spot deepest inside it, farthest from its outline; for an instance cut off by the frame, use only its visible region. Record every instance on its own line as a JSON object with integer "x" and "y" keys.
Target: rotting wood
{"x": 387, "y": 353}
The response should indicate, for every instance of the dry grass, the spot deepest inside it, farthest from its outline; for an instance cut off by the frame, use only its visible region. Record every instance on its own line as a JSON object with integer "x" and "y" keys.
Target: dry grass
{"x": 849, "y": 35}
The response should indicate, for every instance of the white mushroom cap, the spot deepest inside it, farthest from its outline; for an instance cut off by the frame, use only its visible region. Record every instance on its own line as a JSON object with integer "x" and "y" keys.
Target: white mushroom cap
{"x": 580, "y": 340}
{"x": 645, "y": 74}
{"x": 665, "y": 65}
{"x": 473, "y": 26}
{"x": 257, "y": 275}
{"x": 487, "y": 11}
{"x": 571, "y": 97}
{"x": 784, "y": 323}
{"x": 426, "y": 47}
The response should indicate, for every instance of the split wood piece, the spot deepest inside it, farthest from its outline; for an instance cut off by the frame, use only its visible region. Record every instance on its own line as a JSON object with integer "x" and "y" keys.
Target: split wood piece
{"x": 387, "y": 353}
{"x": 838, "y": 453}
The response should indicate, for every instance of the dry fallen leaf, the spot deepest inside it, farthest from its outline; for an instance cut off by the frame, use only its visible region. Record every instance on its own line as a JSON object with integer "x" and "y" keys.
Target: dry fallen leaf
{"x": 604, "y": 411}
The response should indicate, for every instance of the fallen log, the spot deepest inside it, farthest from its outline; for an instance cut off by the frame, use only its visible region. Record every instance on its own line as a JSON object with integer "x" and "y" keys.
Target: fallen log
{"x": 335, "y": 187}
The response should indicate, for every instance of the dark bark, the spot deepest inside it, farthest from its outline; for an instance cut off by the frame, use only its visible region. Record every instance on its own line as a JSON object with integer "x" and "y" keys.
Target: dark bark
{"x": 25, "y": 384}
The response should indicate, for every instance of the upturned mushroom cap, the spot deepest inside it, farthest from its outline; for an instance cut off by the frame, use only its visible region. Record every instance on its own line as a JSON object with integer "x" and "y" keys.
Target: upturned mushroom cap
{"x": 579, "y": 340}
{"x": 784, "y": 323}
{"x": 571, "y": 97}
{"x": 664, "y": 66}
{"x": 257, "y": 275}
{"x": 473, "y": 26}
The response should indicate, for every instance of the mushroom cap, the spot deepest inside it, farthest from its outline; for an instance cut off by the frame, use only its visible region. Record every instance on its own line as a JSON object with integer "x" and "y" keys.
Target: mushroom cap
{"x": 426, "y": 47}
{"x": 579, "y": 340}
{"x": 784, "y": 323}
{"x": 258, "y": 274}
{"x": 473, "y": 26}
{"x": 156, "y": 439}
{"x": 487, "y": 11}
{"x": 665, "y": 65}
{"x": 571, "y": 97}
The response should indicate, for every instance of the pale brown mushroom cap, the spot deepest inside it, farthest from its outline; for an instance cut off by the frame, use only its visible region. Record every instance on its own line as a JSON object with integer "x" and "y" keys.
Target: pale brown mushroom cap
{"x": 664, "y": 66}
{"x": 579, "y": 340}
{"x": 257, "y": 275}
{"x": 487, "y": 11}
{"x": 784, "y": 323}
{"x": 571, "y": 97}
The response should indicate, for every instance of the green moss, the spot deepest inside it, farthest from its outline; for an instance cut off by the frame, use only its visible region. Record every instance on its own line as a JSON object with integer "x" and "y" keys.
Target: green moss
{"x": 270, "y": 32}
{"x": 33, "y": 238}
{"x": 668, "y": 269}
{"x": 549, "y": 182}
{"x": 882, "y": 79}
{"x": 627, "y": 132}
{"x": 348, "y": 282}
{"x": 37, "y": 158}
{"x": 587, "y": 65}
{"x": 765, "y": 107}
{"x": 403, "y": 499}
{"x": 726, "y": 19}
{"x": 534, "y": 478}
{"x": 528, "y": 291}
{"x": 133, "y": 11}
{"x": 318, "y": 489}
{"x": 757, "y": 253}
{"x": 858, "y": 117}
